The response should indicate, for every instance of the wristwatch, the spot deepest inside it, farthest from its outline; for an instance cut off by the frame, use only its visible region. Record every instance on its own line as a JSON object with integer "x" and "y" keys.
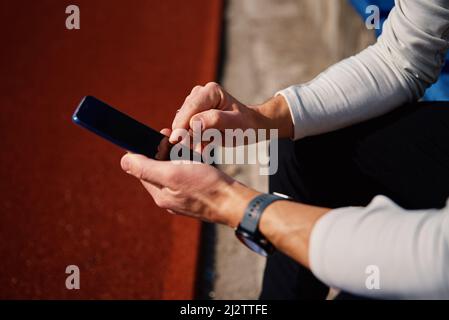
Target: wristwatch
{"x": 248, "y": 229}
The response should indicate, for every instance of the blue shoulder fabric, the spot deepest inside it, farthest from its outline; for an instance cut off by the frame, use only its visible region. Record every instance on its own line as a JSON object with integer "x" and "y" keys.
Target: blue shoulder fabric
{"x": 437, "y": 92}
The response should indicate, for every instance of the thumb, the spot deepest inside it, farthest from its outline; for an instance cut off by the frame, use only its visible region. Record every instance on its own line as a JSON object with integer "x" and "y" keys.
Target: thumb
{"x": 217, "y": 119}
{"x": 143, "y": 168}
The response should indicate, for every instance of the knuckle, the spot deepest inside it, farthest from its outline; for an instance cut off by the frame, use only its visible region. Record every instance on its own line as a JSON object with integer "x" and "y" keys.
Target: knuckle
{"x": 195, "y": 89}
{"x": 213, "y": 87}
{"x": 215, "y": 93}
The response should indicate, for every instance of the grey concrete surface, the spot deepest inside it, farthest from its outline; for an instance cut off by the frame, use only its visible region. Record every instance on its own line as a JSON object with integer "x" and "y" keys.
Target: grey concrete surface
{"x": 269, "y": 46}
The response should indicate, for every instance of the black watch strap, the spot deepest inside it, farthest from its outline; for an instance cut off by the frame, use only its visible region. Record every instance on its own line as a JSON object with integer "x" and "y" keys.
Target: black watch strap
{"x": 254, "y": 210}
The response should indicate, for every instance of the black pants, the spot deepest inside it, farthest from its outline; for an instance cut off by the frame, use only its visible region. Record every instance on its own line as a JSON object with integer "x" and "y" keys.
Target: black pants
{"x": 403, "y": 155}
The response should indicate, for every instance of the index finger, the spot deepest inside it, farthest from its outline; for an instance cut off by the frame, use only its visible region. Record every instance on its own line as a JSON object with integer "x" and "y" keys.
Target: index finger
{"x": 205, "y": 98}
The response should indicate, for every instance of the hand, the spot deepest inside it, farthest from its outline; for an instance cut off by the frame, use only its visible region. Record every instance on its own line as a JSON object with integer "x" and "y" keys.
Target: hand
{"x": 191, "y": 189}
{"x": 217, "y": 109}
{"x": 201, "y": 191}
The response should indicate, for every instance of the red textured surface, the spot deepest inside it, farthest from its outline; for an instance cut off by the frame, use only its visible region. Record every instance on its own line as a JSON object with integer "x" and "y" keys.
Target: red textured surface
{"x": 63, "y": 197}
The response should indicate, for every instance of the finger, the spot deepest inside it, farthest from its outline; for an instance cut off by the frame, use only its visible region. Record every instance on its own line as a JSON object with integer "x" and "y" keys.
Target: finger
{"x": 198, "y": 147}
{"x": 166, "y": 132}
{"x": 195, "y": 90}
{"x": 179, "y": 135}
{"x": 153, "y": 171}
{"x": 203, "y": 99}
{"x": 217, "y": 119}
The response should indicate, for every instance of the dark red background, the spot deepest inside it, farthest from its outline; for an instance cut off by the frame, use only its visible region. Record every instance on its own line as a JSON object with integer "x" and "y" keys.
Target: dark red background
{"x": 63, "y": 197}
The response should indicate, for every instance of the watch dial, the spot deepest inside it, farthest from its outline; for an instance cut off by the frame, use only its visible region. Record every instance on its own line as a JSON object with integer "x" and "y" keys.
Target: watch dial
{"x": 254, "y": 246}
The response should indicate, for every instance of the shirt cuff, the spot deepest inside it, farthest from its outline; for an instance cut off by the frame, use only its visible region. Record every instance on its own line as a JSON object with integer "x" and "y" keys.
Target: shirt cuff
{"x": 295, "y": 105}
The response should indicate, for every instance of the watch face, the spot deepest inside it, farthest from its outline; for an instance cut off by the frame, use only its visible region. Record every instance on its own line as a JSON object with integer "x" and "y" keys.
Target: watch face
{"x": 254, "y": 246}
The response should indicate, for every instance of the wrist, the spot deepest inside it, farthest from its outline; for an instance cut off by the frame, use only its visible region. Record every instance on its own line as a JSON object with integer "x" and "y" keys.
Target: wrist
{"x": 275, "y": 114}
{"x": 288, "y": 226}
{"x": 237, "y": 199}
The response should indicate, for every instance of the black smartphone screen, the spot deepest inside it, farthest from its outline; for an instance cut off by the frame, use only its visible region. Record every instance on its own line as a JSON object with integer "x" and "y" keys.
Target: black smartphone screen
{"x": 117, "y": 127}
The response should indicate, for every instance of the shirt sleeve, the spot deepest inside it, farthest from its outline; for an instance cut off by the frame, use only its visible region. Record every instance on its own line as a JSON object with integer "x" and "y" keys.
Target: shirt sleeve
{"x": 405, "y": 61}
{"x": 383, "y": 251}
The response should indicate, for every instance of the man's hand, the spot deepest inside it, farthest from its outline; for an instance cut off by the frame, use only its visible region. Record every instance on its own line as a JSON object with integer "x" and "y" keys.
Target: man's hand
{"x": 191, "y": 189}
{"x": 217, "y": 109}
{"x": 201, "y": 191}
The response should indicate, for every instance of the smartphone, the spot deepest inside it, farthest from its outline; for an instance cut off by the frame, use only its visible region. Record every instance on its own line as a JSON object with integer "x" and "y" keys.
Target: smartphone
{"x": 117, "y": 127}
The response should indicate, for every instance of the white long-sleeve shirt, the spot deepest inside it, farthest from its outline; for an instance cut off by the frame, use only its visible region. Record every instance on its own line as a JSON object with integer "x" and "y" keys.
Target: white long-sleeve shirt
{"x": 408, "y": 251}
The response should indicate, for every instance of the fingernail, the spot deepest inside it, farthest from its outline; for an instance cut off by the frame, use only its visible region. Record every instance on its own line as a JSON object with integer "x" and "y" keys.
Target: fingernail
{"x": 172, "y": 138}
{"x": 126, "y": 164}
{"x": 176, "y": 136}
